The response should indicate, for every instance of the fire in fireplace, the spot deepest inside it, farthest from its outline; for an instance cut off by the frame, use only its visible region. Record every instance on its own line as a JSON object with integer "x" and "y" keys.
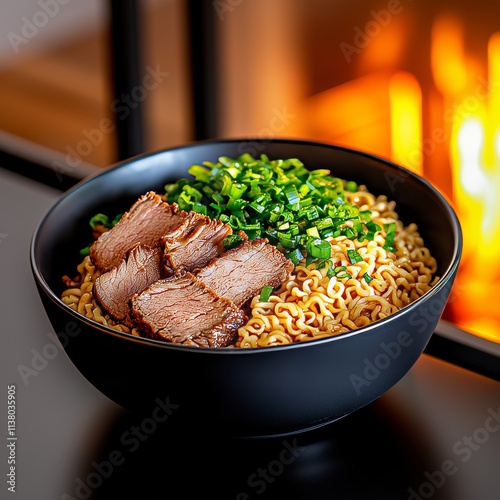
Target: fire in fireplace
{"x": 416, "y": 82}
{"x": 446, "y": 129}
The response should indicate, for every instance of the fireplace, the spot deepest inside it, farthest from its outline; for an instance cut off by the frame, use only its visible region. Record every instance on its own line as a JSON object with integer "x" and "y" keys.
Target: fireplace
{"x": 415, "y": 82}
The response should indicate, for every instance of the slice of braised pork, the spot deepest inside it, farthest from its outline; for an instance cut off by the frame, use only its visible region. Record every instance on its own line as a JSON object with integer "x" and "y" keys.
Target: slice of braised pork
{"x": 114, "y": 289}
{"x": 149, "y": 218}
{"x": 180, "y": 309}
{"x": 194, "y": 243}
{"x": 241, "y": 273}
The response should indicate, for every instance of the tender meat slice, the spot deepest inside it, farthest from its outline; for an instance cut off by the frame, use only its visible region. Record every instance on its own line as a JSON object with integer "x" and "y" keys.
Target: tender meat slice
{"x": 194, "y": 243}
{"x": 149, "y": 218}
{"x": 241, "y": 273}
{"x": 182, "y": 310}
{"x": 137, "y": 271}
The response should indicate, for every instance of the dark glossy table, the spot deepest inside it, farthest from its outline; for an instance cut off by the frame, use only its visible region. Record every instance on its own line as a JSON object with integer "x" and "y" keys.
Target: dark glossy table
{"x": 436, "y": 434}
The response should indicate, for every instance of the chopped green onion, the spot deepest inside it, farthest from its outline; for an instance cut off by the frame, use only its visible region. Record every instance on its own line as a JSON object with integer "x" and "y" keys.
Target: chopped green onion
{"x": 320, "y": 249}
{"x": 199, "y": 208}
{"x": 354, "y": 256}
{"x": 265, "y": 293}
{"x": 257, "y": 207}
{"x": 365, "y": 215}
{"x": 116, "y": 220}
{"x": 292, "y": 194}
{"x": 295, "y": 256}
{"x": 99, "y": 219}
{"x": 287, "y": 240}
{"x": 390, "y": 231}
{"x": 218, "y": 198}
{"x": 200, "y": 173}
{"x": 372, "y": 228}
{"x": 250, "y": 227}
{"x": 309, "y": 213}
{"x": 339, "y": 272}
{"x": 288, "y": 216}
{"x": 236, "y": 190}
{"x": 85, "y": 251}
{"x": 345, "y": 275}
{"x": 296, "y": 209}
{"x": 312, "y": 232}
{"x": 294, "y": 229}
{"x": 351, "y": 186}
{"x": 102, "y": 219}
{"x": 367, "y": 277}
{"x": 231, "y": 241}
{"x": 324, "y": 223}
{"x": 350, "y": 232}
{"x": 275, "y": 212}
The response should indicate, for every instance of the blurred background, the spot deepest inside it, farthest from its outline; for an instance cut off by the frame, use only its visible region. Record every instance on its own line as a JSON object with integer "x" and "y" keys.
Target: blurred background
{"x": 417, "y": 82}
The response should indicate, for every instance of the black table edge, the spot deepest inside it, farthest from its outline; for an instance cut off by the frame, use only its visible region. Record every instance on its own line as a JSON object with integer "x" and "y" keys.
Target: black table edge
{"x": 465, "y": 349}
{"x": 42, "y": 164}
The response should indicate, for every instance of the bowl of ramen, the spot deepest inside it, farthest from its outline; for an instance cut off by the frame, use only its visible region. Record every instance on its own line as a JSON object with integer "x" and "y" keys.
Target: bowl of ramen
{"x": 254, "y": 288}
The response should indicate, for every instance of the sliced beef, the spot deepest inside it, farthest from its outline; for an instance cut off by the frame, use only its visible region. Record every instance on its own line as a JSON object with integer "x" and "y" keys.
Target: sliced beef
{"x": 180, "y": 309}
{"x": 149, "y": 218}
{"x": 113, "y": 289}
{"x": 194, "y": 243}
{"x": 241, "y": 273}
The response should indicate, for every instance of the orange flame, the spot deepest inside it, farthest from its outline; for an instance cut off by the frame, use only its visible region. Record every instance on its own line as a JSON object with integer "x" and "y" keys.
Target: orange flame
{"x": 406, "y": 121}
{"x": 475, "y": 199}
{"x": 447, "y": 56}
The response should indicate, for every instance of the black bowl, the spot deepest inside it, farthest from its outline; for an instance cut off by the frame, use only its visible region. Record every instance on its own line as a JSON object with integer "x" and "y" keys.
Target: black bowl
{"x": 244, "y": 392}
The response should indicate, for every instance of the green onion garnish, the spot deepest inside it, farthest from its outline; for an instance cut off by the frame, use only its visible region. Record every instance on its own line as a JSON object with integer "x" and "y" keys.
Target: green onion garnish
{"x": 295, "y": 256}
{"x": 85, "y": 251}
{"x": 339, "y": 272}
{"x": 99, "y": 219}
{"x": 351, "y": 186}
{"x": 116, "y": 219}
{"x": 294, "y": 208}
{"x": 354, "y": 256}
{"x": 321, "y": 249}
{"x": 390, "y": 231}
{"x": 292, "y": 194}
{"x": 231, "y": 241}
{"x": 265, "y": 293}
{"x": 367, "y": 277}
{"x": 103, "y": 220}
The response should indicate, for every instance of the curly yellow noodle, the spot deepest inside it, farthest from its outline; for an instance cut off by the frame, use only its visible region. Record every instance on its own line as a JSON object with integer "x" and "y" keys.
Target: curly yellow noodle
{"x": 84, "y": 300}
{"x": 72, "y": 292}
{"x": 79, "y": 297}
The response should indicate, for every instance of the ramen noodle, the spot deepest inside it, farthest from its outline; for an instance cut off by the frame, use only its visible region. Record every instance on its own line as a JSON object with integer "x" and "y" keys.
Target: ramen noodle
{"x": 78, "y": 295}
{"x": 311, "y": 305}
